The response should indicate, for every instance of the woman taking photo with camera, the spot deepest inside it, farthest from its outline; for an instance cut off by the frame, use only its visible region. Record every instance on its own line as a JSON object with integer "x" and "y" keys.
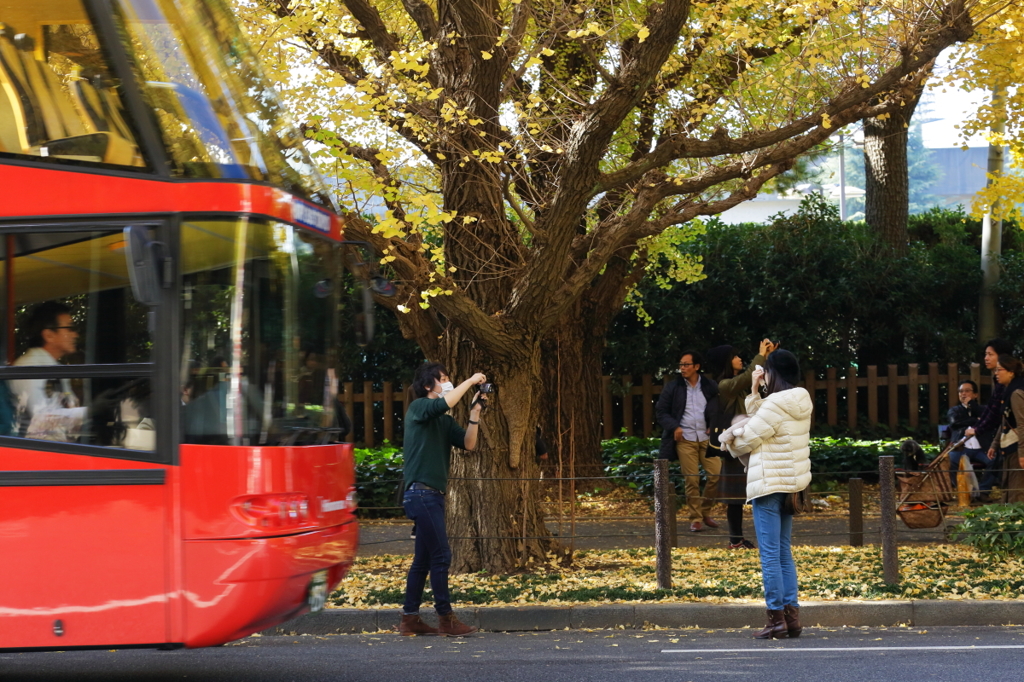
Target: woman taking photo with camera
{"x": 777, "y": 438}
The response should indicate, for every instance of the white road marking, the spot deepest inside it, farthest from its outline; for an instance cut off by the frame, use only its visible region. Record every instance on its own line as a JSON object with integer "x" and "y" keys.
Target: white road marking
{"x": 842, "y": 648}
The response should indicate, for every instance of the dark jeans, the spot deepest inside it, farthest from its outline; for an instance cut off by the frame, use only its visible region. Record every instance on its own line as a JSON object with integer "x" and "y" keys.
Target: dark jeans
{"x": 993, "y": 472}
{"x": 432, "y": 556}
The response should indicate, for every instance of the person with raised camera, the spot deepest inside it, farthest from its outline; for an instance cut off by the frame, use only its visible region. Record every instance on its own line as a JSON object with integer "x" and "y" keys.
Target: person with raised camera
{"x": 430, "y": 434}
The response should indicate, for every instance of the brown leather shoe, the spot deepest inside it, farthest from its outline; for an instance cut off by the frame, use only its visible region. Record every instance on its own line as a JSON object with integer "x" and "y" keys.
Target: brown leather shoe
{"x": 776, "y": 627}
{"x": 792, "y": 616}
{"x": 414, "y": 625}
{"x": 710, "y": 522}
{"x": 451, "y": 626}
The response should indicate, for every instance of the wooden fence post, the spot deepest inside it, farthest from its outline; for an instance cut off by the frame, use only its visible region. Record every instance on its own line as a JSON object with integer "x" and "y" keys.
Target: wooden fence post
{"x": 851, "y": 397}
{"x": 810, "y": 384}
{"x": 933, "y": 393}
{"x": 953, "y": 381}
{"x": 389, "y": 413}
{"x": 872, "y": 395}
{"x": 830, "y": 396}
{"x": 894, "y": 406}
{"x": 913, "y": 385}
{"x": 648, "y": 405}
{"x": 606, "y": 394}
{"x": 368, "y": 413}
{"x": 349, "y": 398}
{"x": 627, "y": 404}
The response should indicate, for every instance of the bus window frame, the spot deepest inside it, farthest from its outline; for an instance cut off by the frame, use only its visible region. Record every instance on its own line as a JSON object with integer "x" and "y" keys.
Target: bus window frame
{"x": 159, "y": 370}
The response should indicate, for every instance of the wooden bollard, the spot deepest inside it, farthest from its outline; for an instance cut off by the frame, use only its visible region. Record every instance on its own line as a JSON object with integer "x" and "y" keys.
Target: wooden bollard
{"x": 855, "y": 486}
{"x": 662, "y": 533}
{"x": 887, "y": 488}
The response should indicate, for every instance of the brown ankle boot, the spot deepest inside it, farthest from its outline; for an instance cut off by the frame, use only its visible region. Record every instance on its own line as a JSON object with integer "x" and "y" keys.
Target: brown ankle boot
{"x": 776, "y": 628}
{"x": 792, "y": 616}
{"x": 414, "y": 625}
{"x": 452, "y": 626}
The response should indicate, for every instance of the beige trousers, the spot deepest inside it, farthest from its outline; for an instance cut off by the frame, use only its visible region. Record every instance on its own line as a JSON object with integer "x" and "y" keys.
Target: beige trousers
{"x": 693, "y": 455}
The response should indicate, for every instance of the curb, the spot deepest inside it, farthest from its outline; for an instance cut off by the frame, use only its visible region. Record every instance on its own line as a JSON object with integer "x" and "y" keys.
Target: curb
{"x": 918, "y": 613}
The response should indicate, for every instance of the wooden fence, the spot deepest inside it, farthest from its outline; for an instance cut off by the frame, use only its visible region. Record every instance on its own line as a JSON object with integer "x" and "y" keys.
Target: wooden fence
{"x": 919, "y": 395}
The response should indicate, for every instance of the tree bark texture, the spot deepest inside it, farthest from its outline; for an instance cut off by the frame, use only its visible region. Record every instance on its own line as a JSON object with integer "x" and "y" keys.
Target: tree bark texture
{"x": 887, "y": 175}
{"x": 887, "y": 198}
{"x": 495, "y": 520}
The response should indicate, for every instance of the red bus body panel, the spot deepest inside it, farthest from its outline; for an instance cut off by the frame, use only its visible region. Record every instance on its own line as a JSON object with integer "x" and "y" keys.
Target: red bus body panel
{"x": 123, "y": 565}
{"x": 239, "y": 579}
{"x": 93, "y": 557}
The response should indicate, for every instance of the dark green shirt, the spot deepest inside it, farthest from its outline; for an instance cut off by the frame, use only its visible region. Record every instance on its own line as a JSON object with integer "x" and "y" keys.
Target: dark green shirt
{"x": 430, "y": 433}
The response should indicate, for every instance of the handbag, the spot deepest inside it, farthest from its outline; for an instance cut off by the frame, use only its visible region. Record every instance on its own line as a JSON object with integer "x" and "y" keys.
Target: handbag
{"x": 797, "y": 503}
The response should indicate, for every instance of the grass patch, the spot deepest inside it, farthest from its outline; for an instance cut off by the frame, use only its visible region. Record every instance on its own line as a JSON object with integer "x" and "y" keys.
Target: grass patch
{"x": 706, "y": 575}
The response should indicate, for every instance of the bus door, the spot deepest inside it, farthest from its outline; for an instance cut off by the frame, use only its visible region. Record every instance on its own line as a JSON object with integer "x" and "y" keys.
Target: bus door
{"x": 84, "y": 451}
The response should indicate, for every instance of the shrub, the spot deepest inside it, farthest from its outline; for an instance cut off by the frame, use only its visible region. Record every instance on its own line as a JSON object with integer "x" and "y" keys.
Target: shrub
{"x": 994, "y": 528}
{"x": 379, "y": 480}
{"x": 837, "y": 459}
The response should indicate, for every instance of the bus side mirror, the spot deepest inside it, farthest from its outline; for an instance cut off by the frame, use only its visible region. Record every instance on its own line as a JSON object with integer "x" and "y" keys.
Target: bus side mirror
{"x": 146, "y": 264}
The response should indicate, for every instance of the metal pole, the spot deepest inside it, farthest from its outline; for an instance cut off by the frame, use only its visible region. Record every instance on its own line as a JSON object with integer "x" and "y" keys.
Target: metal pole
{"x": 887, "y": 488}
{"x": 662, "y": 539}
{"x": 855, "y": 486}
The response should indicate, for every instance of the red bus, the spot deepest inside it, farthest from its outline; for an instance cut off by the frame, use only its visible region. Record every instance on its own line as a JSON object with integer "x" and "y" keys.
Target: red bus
{"x": 170, "y": 266}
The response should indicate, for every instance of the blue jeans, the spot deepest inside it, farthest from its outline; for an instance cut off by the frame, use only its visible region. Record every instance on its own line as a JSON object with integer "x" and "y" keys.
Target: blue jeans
{"x": 433, "y": 555}
{"x": 778, "y": 570}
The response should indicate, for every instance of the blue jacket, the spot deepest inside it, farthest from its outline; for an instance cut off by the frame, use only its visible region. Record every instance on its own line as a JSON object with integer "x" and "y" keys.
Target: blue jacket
{"x": 672, "y": 404}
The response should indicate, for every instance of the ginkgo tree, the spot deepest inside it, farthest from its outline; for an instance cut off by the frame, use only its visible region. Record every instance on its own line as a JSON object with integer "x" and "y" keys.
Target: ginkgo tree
{"x": 524, "y": 161}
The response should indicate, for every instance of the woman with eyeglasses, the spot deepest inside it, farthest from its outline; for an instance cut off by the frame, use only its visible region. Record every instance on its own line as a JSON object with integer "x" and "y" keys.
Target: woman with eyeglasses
{"x": 1009, "y": 372}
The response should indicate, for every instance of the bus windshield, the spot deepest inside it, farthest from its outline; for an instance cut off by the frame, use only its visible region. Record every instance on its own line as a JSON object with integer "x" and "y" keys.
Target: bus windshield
{"x": 259, "y": 329}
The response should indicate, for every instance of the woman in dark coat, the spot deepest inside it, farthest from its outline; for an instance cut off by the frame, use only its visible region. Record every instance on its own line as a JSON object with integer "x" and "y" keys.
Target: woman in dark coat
{"x": 726, "y": 367}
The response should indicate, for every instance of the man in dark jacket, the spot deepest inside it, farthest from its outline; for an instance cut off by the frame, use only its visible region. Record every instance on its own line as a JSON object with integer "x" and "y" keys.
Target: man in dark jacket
{"x": 961, "y": 416}
{"x": 684, "y": 410}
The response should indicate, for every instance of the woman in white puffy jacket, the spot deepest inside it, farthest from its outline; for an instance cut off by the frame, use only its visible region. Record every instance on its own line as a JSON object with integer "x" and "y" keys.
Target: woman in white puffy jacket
{"x": 776, "y": 437}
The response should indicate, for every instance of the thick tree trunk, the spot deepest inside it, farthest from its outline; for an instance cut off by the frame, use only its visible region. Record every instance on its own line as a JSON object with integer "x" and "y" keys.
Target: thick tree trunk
{"x": 887, "y": 175}
{"x": 887, "y": 198}
{"x": 495, "y": 519}
{"x": 571, "y": 417}
{"x": 572, "y": 369}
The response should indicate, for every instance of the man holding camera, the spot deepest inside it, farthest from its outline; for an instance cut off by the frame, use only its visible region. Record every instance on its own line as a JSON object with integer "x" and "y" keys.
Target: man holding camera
{"x": 430, "y": 434}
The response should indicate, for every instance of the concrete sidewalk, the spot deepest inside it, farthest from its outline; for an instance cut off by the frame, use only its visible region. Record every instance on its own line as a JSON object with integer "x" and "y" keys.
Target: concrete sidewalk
{"x": 918, "y": 613}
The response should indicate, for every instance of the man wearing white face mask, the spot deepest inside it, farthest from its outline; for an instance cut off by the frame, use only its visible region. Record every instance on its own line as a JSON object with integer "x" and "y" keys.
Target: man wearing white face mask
{"x": 430, "y": 434}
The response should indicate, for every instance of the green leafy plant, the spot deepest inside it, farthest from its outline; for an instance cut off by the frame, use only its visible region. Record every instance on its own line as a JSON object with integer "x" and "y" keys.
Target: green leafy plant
{"x": 995, "y": 528}
{"x": 379, "y": 480}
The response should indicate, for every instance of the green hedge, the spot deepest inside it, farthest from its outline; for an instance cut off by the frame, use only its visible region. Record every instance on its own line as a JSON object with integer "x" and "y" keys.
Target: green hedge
{"x": 628, "y": 461}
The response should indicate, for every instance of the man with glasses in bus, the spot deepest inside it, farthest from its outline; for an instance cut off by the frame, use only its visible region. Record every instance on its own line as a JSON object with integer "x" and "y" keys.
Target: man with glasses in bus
{"x": 48, "y": 409}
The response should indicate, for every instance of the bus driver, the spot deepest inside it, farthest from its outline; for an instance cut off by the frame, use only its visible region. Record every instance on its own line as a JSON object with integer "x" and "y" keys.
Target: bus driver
{"x": 48, "y": 409}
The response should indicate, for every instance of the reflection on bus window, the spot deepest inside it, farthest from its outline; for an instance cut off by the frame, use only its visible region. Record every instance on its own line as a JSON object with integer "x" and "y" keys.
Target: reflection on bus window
{"x": 218, "y": 115}
{"x": 58, "y": 99}
{"x": 259, "y": 320}
{"x": 72, "y": 306}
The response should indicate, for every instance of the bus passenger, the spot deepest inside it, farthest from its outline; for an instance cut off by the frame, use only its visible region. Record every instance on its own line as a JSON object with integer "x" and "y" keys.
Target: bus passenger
{"x": 48, "y": 409}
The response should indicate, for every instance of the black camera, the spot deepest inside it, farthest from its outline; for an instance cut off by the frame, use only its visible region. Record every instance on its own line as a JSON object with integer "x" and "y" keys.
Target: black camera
{"x": 486, "y": 388}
